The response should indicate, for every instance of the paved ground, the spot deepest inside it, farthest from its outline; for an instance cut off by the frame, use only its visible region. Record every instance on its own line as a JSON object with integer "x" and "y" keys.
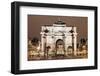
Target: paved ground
{"x": 56, "y": 57}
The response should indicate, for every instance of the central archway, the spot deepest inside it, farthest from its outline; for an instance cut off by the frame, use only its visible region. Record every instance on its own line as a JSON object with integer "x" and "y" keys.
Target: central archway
{"x": 59, "y": 47}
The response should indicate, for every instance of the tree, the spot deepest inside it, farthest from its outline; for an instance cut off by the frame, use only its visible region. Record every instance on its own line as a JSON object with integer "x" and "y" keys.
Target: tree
{"x": 83, "y": 41}
{"x": 35, "y": 41}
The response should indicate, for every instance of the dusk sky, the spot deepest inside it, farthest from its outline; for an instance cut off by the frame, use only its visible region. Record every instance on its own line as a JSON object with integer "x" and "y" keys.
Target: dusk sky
{"x": 36, "y": 21}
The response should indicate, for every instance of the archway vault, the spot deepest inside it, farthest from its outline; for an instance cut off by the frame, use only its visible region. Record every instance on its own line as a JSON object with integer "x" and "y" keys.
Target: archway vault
{"x": 60, "y": 46}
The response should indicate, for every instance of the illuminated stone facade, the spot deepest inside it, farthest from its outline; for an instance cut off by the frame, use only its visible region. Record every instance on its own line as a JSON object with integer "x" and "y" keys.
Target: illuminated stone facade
{"x": 58, "y": 37}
